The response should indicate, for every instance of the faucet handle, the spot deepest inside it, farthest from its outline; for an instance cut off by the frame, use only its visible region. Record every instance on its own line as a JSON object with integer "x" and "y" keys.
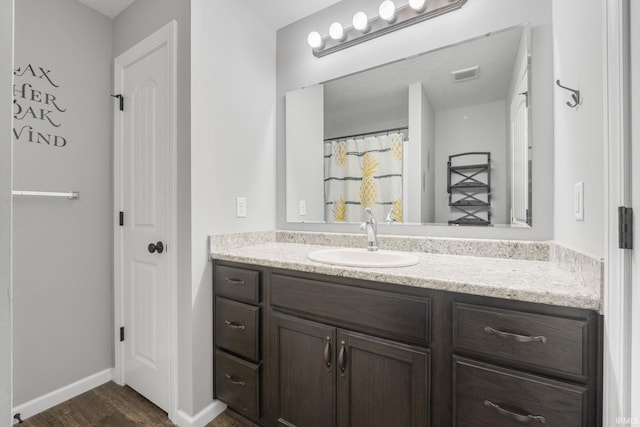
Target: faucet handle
{"x": 390, "y": 218}
{"x": 371, "y": 219}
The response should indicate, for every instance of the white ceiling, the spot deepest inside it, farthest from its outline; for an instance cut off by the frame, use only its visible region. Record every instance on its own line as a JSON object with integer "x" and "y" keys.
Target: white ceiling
{"x": 111, "y": 8}
{"x": 385, "y": 87}
{"x": 278, "y": 13}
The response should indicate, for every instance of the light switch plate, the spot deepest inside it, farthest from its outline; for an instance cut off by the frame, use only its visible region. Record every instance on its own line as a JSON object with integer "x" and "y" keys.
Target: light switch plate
{"x": 303, "y": 208}
{"x": 578, "y": 201}
{"x": 241, "y": 207}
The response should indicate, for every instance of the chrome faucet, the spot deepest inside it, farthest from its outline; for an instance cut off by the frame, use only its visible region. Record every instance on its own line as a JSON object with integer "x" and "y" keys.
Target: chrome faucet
{"x": 372, "y": 229}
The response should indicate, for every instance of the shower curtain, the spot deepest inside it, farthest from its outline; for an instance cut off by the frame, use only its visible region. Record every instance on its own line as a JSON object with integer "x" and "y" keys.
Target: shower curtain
{"x": 363, "y": 172}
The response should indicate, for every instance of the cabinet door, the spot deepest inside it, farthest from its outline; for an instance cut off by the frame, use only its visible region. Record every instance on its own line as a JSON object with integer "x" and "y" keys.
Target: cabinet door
{"x": 381, "y": 383}
{"x": 302, "y": 357}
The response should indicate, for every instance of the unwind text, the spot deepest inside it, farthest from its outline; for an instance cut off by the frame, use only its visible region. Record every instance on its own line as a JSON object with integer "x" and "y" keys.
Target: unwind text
{"x": 36, "y": 111}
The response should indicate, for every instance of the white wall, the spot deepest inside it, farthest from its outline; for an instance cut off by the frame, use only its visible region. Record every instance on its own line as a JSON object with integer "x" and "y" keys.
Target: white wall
{"x": 135, "y": 23}
{"x": 475, "y": 128}
{"x": 419, "y": 109}
{"x": 62, "y": 251}
{"x": 305, "y": 131}
{"x": 297, "y": 67}
{"x": 428, "y": 126}
{"x": 6, "y": 74}
{"x": 412, "y": 204}
{"x": 578, "y": 53}
{"x": 232, "y": 149}
{"x": 356, "y": 119}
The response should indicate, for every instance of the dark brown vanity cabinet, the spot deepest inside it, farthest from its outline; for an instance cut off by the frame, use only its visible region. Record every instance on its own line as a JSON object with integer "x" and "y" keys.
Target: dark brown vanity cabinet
{"x": 237, "y": 311}
{"x": 324, "y": 375}
{"x": 514, "y": 366}
{"x": 309, "y": 350}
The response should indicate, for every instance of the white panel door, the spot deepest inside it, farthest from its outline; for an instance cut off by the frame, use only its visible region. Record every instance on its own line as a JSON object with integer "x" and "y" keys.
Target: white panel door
{"x": 145, "y": 202}
{"x": 634, "y": 357}
{"x": 520, "y": 152}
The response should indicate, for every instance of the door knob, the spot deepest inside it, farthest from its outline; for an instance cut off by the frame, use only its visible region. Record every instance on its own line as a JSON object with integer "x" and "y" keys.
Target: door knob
{"x": 158, "y": 247}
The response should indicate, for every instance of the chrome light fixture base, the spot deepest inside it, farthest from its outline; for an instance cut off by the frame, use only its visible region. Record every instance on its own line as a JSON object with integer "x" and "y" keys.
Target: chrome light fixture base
{"x": 405, "y": 16}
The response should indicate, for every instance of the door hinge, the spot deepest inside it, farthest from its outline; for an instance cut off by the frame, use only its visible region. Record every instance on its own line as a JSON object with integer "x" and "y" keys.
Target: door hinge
{"x": 121, "y": 333}
{"x": 625, "y": 227}
{"x": 121, "y": 99}
{"x": 121, "y": 218}
{"x": 526, "y": 98}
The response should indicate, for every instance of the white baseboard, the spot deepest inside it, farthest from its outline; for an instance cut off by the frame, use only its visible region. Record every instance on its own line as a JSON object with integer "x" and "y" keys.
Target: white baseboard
{"x": 202, "y": 418}
{"x": 62, "y": 394}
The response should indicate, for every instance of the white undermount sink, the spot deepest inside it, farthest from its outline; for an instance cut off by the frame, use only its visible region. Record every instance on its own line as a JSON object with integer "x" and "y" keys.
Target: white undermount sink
{"x": 353, "y": 257}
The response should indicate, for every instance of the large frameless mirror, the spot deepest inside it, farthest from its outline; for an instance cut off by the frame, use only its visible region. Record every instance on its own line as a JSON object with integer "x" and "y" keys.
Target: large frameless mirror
{"x": 442, "y": 137}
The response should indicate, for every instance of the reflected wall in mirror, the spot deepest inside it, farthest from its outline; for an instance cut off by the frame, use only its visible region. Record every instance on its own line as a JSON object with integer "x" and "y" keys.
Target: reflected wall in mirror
{"x": 382, "y": 138}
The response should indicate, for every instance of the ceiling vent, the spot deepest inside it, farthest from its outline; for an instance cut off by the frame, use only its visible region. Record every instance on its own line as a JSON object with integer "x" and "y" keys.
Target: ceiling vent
{"x": 465, "y": 74}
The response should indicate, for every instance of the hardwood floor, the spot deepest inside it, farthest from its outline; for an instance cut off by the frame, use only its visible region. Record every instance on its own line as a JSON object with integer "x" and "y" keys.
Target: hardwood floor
{"x": 111, "y": 405}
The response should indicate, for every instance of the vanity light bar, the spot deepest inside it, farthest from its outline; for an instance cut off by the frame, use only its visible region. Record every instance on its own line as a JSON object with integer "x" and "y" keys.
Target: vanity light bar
{"x": 411, "y": 13}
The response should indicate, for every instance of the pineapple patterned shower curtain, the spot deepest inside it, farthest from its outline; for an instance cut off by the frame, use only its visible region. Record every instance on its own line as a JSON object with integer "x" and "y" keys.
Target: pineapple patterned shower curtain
{"x": 363, "y": 172}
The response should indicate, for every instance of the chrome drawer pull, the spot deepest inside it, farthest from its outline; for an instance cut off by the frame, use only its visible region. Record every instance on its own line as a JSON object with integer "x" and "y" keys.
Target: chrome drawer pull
{"x": 233, "y": 381}
{"x": 519, "y": 338}
{"x": 518, "y": 417}
{"x": 234, "y": 325}
{"x": 234, "y": 281}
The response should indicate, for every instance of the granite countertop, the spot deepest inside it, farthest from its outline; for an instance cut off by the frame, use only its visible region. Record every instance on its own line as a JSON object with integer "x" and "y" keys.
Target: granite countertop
{"x": 523, "y": 280}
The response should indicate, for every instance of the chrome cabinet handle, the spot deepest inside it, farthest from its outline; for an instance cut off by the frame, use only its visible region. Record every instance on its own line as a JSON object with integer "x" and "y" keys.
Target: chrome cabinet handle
{"x": 234, "y": 281}
{"x": 514, "y": 416}
{"x": 234, "y": 325}
{"x": 342, "y": 357}
{"x": 327, "y": 353}
{"x": 234, "y": 381}
{"x": 519, "y": 338}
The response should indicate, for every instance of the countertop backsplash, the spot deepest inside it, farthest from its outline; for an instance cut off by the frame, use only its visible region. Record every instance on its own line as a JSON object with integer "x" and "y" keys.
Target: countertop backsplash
{"x": 512, "y": 249}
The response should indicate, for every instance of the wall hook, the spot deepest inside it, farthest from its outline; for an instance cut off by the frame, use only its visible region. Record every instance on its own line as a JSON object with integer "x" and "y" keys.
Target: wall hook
{"x": 575, "y": 95}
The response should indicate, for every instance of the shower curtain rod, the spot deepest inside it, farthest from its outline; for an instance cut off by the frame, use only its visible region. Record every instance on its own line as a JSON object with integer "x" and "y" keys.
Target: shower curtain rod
{"x": 387, "y": 131}
{"x": 71, "y": 195}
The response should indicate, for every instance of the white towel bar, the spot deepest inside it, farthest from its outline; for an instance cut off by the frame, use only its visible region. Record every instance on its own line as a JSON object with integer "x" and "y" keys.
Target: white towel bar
{"x": 71, "y": 195}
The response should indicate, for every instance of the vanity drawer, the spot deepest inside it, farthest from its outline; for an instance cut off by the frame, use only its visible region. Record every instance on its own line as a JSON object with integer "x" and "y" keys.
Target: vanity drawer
{"x": 238, "y": 384}
{"x": 552, "y": 344}
{"x": 237, "y": 283}
{"x": 488, "y": 396}
{"x": 382, "y": 313}
{"x": 237, "y": 327}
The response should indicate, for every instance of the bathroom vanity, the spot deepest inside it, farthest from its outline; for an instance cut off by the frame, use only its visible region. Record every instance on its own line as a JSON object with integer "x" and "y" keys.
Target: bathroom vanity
{"x": 299, "y": 343}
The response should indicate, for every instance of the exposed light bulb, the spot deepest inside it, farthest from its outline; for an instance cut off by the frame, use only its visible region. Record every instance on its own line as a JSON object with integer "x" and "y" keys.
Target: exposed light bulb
{"x": 417, "y": 5}
{"x": 387, "y": 11}
{"x": 315, "y": 40}
{"x": 361, "y": 22}
{"x": 336, "y": 31}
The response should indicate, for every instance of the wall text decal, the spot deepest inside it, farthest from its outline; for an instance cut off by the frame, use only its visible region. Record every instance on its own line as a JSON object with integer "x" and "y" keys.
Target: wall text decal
{"x": 34, "y": 107}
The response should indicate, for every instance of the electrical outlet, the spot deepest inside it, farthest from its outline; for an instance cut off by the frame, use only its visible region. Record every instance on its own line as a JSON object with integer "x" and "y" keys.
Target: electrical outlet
{"x": 303, "y": 208}
{"x": 241, "y": 207}
{"x": 578, "y": 201}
